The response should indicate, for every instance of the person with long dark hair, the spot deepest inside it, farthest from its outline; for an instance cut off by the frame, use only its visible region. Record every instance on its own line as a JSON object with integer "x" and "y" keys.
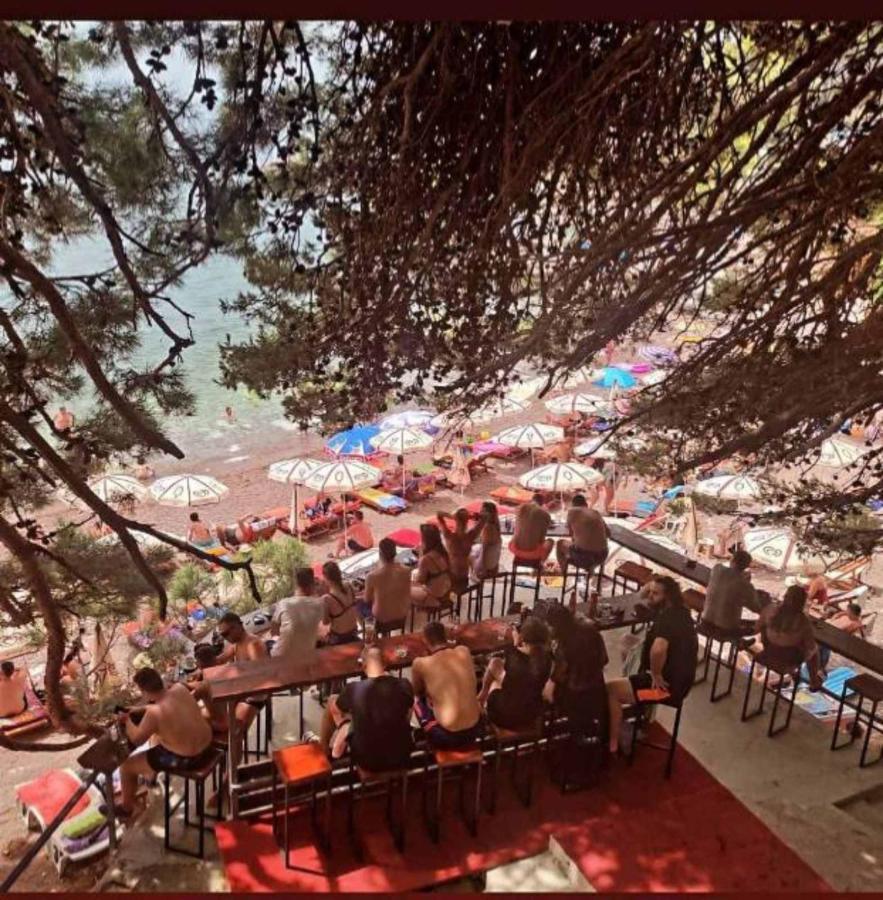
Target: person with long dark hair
{"x": 787, "y": 636}
{"x": 577, "y": 683}
{"x": 484, "y": 560}
{"x": 668, "y": 658}
{"x": 432, "y": 578}
{"x": 341, "y": 611}
{"x": 512, "y": 689}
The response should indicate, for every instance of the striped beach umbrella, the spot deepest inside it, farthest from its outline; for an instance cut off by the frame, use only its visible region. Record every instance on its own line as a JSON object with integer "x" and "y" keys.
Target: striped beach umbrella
{"x": 188, "y": 490}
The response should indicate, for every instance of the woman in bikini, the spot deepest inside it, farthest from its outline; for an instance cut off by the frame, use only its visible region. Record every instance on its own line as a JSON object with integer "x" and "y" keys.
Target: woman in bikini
{"x": 432, "y": 580}
{"x": 341, "y": 612}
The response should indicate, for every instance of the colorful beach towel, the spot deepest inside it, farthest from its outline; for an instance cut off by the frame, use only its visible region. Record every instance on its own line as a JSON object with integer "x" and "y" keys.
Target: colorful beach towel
{"x": 382, "y": 501}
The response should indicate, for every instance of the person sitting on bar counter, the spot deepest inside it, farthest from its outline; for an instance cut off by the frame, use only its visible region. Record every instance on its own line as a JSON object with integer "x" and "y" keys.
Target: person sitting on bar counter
{"x": 371, "y": 719}
{"x": 729, "y": 590}
{"x": 445, "y": 688}
{"x": 589, "y": 532}
{"x": 243, "y": 647}
{"x": 787, "y": 635}
{"x": 387, "y": 588}
{"x": 668, "y": 658}
{"x": 512, "y": 690}
{"x": 532, "y": 524}
{"x": 173, "y": 717}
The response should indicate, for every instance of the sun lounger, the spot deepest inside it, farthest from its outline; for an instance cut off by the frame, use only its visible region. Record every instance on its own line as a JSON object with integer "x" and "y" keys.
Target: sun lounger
{"x": 512, "y": 495}
{"x": 382, "y": 501}
{"x": 40, "y": 801}
{"x": 62, "y": 851}
{"x": 34, "y": 718}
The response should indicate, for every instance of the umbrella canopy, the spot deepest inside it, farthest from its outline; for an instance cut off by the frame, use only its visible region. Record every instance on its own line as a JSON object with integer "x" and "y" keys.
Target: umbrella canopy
{"x": 838, "y": 453}
{"x": 354, "y": 442}
{"x": 659, "y": 356}
{"x": 730, "y": 487}
{"x": 506, "y": 406}
{"x": 594, "y": 447}
{"x": 293, "y": 471}
{"x": 147, "y": 541}
{"x": 342, "y": 476}
{"x": 582, "y": 375}
{"x": 612, "y": 376}
{"x": 583, "y": 403}
{"x": 401, "y": 440}
{"x": 534, "y": 436}
{"x": 113, "y": 488}
{"x": 188, "y": 490}
{"x": 522, "y": 391}
{"x": 561, "y": 478}
{"x": 447, "y": 419}
{"x": 776, "y": 548}
{"x": 409, "y": 418}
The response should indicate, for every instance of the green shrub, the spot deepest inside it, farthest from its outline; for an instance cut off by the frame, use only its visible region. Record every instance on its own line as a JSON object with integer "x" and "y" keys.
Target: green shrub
{"x": 189, "y": 583}
{"x": 274, "y": 566}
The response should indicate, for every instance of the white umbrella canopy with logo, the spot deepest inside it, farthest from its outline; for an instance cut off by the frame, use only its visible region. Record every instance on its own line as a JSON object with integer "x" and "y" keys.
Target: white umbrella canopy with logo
{"x": 533, "y": 436}
{"x": 409, "y": 418}
{"x": 596, "y": 448}
{"x": 523, "y": 391}
{"x": 730, "y": 487}
{"x": 777, "y": 548}
{"x": 293, "y": 471}
{"x": 581, "y": 375}
{"x": 583, "y": 403}
{"x": 342, "y": 476}
{"x": 505, "y": 406}
{"x": 561, "y": 478}
{"x": 110, "y": 489}
{"x": 188, "y": 490}
{"x": 838, "y": 453}
{"x": 401, "y": 441}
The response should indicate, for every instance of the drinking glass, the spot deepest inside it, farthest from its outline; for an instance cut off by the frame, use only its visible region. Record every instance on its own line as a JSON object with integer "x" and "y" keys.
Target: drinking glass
{"x": 370, "y": 629}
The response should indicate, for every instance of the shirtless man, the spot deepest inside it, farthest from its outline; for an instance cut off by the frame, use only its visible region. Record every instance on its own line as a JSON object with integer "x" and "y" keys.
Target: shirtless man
{"x": 214, "y": 711}
{"x": 445, "y": 688}
{"x": 64, "y": 419}
{"x": 243, "y": 647}
{"x": 172, "y": 716}
{"x": 387, "y": 588}
{"x": 587, "y": 528}
{"x": 198, "y": 533}
{"x": 531, "y": 526}
{"x": 458, "y": 543}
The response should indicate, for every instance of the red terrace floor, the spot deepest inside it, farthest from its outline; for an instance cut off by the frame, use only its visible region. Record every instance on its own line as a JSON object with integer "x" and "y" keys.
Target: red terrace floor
{"x": 636, "y": 832}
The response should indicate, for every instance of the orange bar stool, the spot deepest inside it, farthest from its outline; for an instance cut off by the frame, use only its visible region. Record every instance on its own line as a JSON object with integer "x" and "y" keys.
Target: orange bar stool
{"x": 297, "y": 765}
{"x": 446, "y": 760}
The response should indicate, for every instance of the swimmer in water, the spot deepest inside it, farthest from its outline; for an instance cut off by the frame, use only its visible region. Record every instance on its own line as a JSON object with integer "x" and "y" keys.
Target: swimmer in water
{"x": 64, "y": 419}
{"x": 229, "y": 415}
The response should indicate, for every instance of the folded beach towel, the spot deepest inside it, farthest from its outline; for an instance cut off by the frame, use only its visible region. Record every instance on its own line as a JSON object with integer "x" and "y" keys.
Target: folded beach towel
{"x": 83, "y": 824}
{"x": 72, "y": 846}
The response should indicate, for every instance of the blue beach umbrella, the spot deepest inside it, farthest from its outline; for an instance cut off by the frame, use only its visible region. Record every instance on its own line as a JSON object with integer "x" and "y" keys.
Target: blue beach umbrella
{"x": 612, "y": 376}
{"x": 354, "y": 442}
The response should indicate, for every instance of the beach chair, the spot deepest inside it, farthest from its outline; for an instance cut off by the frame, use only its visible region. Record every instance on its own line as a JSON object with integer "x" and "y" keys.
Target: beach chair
{"x": 511, "y": 495}
{"x": 40, "y": 801}
{"x": 382, "y": 501}
{"x": 34, "y": 718}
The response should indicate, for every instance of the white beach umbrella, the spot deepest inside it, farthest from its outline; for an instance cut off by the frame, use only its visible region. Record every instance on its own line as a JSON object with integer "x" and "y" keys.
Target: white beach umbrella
{"x": 838, "y": 453}
{"x": 113, "y": 488}
{"x": 533, "y": 436}
{"x": 506, "y": 406}
{"x": 595, "y": 447}
{"x": 524, "y": 391}
{"x": 402, "y": 441}
{"x": 293, "y": 471}
{"x": 188, "y": 490}
{"x": 579, "y": 402}
{"x": 560, "y": 478}
{"x": 730, "y": 487}
{"x": 342, "y": 476}
{"x": 581, "y": 375}
{"x": 449, "y": 419}
{"x": 776, "y": 548}
{"x": 409, "y": 418}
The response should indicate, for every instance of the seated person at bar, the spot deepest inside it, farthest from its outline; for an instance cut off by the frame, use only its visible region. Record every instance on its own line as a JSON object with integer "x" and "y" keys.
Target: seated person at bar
{"x": 172, "y": 716}
{"x": 341, "y": 612}
{"x": 297, "y": 619}
{"x": 12, "y": 689}
{"x": 371, "y": 718}
{"x": 458, "y": 542}
{"x": 787, "y": 635}
{"x": 848, "y": 620}
{"x": 214, "y": 711}
{"x": 387, "y": 588}
{"x": 484, "y": 558}
{"x": 589, "y": 532}
{"x": 244, "y": 647}
{"x": 668, "y": 657}
{"x": 432, "y": 578}
{"x": 446, "y": 701}
{"x": 577, "y": 684}
{"x": 532, "y": 523}
{"x": 729, "y": 590}
{"x": 512, "y": 690}
{"x": 359, "y": 537}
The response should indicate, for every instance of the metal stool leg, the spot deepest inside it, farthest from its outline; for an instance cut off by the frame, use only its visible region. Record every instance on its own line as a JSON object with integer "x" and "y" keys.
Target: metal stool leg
{"x": 837, "y": 721}
{"x": 871, "y": 718}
